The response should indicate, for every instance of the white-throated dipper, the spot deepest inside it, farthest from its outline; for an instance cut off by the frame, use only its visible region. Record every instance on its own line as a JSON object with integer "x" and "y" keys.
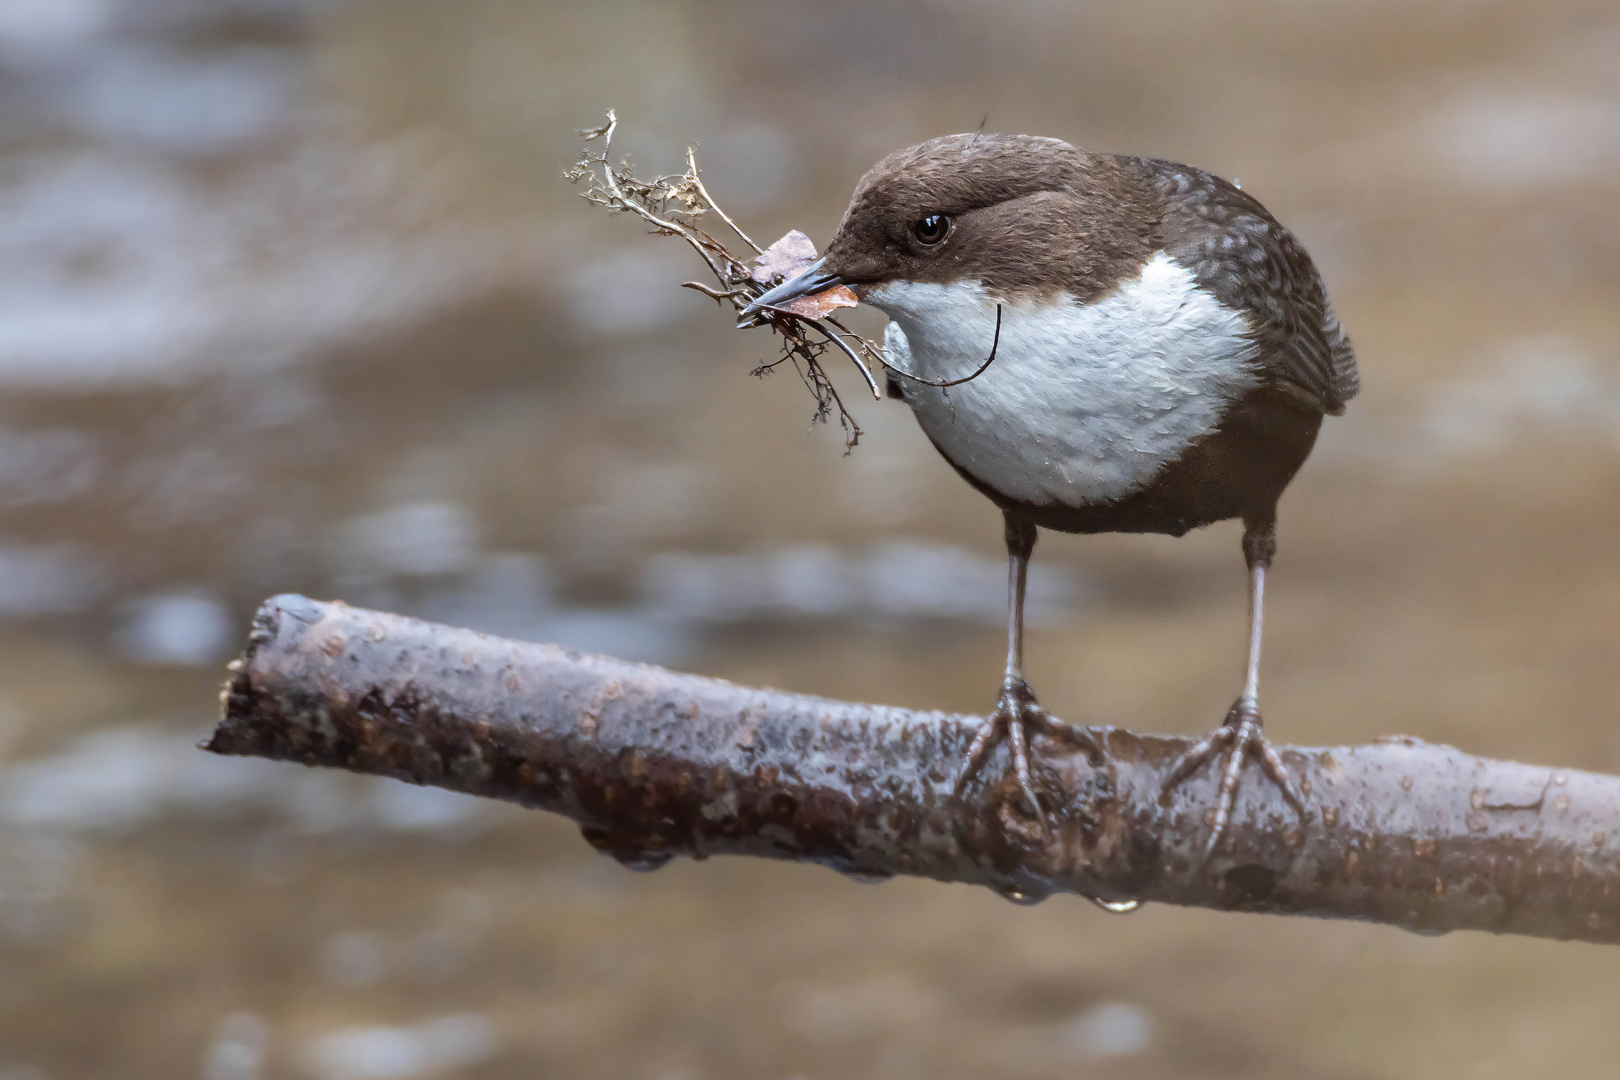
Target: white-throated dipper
{"x": 1162, "y": 354}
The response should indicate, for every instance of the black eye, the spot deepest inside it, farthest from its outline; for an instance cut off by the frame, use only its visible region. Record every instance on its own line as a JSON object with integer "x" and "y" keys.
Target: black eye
{"x": 931, "y": 229}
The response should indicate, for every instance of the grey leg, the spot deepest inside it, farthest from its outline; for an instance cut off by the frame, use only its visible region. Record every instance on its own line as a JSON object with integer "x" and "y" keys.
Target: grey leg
{"x": 1241, "y": 734}
{"x": 1016, "y": 707}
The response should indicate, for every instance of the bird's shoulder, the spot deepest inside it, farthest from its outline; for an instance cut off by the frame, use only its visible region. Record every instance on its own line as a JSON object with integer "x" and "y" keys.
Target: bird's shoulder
{"x": 1249, "y": 261}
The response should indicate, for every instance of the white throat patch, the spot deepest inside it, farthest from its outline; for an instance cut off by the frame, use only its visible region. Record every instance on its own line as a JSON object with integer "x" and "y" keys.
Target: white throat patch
{"x": 1085, "y": 402}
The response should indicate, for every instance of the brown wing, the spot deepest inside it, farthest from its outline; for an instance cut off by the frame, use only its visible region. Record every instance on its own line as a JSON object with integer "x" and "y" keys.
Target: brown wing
{"x": 1239, "y": 252}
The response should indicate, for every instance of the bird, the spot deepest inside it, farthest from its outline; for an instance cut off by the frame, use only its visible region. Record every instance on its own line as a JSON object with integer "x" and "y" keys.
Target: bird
{"x": 1098, "y": 343}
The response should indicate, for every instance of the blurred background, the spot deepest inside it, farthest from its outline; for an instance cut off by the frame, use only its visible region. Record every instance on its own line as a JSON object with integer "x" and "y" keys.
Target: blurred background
{"x": 292, "y": 297}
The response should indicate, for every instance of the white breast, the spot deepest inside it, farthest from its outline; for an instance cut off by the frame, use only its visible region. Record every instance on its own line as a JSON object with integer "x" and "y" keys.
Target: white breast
{"x": 1085, "y": 402}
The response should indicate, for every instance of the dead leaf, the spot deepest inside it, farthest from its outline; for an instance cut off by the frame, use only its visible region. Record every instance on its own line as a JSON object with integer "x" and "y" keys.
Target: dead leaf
{"x": 785, "y": 259}
{"x": 820, "y": 305}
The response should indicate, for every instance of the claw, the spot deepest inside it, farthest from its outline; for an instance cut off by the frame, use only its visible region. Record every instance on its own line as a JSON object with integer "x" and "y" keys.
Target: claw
{"x": 1279, "y": 776}
{"x": 1015, "y": 710}
{"x": 978, "y": 751}
{"x": 1238, "y": 737}
{"x": 1020, "y": 755}
{"x": 1199, "y": 754}
{"x": 1051, "y": 726}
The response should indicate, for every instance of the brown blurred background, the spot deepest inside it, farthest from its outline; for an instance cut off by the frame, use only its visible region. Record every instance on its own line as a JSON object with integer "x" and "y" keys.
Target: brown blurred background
{"x": 293, "y": 298}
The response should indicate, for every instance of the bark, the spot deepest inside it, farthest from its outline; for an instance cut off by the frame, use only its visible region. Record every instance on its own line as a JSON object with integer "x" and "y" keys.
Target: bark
{"x": 654, "y": 764}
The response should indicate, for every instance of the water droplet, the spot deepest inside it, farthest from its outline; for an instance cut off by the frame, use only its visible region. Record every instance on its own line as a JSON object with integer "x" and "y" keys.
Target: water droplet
{"x": 644, "y": 862}
{"x": 1426, "y": 931}
{"x": 1118, "y": 907}
{"x": 1018, "y": 896}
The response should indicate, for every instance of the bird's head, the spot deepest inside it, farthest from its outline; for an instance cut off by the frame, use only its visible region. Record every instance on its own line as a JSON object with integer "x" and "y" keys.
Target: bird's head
{"x": 1016, "y": 214}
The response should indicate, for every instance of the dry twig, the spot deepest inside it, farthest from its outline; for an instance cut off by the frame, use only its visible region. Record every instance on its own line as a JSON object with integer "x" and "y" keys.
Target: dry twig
{"x": 654, "y": 764}
{"x": 672, "y": 205}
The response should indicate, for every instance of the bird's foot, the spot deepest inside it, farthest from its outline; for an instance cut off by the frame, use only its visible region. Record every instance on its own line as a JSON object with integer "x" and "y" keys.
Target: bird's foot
{"x": 1238, "y": 738}
{"x": 1016, "y": 714}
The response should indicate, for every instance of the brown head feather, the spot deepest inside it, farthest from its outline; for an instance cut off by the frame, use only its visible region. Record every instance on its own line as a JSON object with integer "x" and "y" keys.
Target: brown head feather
{"x": 1029, "y": 215}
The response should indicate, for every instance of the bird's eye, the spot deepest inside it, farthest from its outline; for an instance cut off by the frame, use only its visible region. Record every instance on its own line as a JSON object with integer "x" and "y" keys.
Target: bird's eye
{"x": 931, "y": 229}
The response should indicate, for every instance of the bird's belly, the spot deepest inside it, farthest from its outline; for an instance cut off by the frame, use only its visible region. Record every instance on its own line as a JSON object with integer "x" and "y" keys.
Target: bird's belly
{"x": 1044, "y": 456}
{"x": 1083, "y": 404}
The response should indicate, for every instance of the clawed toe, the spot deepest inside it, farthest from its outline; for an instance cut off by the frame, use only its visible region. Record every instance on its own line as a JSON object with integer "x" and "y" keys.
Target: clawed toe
{"x": 1014, "y": 708}
{"x": 1015, "y": 713}
{"x": 1239, "y": 737}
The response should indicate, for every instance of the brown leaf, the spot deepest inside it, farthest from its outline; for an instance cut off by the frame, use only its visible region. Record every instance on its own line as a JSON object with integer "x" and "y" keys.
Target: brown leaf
{"x": 785, "y": 259}
{"x": 820, "y": 305}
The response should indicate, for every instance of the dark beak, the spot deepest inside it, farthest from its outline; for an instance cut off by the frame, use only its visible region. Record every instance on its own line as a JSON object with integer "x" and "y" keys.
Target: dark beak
{"x": 810, "y": 282}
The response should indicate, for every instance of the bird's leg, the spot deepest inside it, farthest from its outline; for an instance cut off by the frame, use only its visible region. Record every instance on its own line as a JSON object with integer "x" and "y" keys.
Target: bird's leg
{"x": 1016, "y": 709}
{"x": 1241, "y": 735}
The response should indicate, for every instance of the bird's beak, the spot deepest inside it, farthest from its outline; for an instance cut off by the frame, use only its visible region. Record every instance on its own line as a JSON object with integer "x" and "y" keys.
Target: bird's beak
{"x": 808, "y": 283}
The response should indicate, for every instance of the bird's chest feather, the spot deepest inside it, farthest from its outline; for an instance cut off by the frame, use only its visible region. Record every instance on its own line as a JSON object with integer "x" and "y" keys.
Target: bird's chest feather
{"x": 1084, "y": 402}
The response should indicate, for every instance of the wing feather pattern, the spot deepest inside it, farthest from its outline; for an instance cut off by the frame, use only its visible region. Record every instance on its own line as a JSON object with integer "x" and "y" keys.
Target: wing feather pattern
{"x": 1252, "y": 263}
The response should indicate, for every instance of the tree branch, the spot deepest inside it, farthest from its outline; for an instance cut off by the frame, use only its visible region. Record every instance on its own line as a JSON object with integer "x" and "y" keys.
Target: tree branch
{"x": 654, "y": 764}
